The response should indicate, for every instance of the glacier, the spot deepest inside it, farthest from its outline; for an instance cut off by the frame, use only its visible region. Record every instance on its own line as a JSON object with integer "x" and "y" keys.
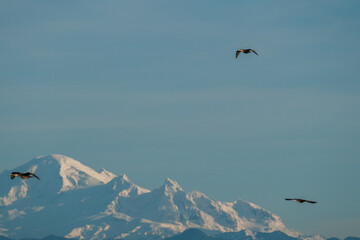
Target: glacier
{"x": 74, "y": 201}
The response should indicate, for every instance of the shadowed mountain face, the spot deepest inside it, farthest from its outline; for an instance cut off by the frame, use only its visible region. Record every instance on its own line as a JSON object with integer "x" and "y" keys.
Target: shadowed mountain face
{"x": 74, "y": 201}
{"x": 276, "y": 235}
{"x": 5, "y": 238}
{"x": 196, "y": 234}
{"x": 50, "y": 237}
{"x": 193, "y": 234}
{"x": 243, "y": 235}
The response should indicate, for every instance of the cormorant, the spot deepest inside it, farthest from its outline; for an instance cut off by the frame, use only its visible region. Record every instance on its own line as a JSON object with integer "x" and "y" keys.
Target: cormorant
{"x": 299, "y": 200}
{"x": 23, "y": 175}
{"x": 246, "y": 51}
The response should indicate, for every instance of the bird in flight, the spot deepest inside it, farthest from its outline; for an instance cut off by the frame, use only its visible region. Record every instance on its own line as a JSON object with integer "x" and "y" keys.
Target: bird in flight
{"x": 23, "y": 175}
{"x": 246, "y": 51}
{"x": 299, "y": 200}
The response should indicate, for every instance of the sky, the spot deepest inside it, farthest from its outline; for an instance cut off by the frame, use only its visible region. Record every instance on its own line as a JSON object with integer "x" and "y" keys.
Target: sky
{"x": 152, "y": 89}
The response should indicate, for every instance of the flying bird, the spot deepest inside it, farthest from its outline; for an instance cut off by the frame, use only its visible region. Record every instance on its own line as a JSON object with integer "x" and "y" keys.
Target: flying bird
{"x": 299, "y": 200}
{"x": 23, "y": 175}
{"x": 246, "y": 51}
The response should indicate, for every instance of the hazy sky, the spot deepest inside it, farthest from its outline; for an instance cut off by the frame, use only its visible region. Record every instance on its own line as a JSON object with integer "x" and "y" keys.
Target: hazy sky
{"x": 152, "y": 89}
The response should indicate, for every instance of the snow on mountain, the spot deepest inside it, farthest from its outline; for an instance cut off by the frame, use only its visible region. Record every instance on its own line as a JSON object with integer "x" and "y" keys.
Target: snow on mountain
{"x": 75, "y": 201}
{"x": 74, "y": 175}
{"x": 60, "y": 174}
{"x": 196, "y": 234}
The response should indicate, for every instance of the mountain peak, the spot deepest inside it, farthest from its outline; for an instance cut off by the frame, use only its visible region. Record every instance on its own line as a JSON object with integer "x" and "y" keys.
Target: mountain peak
{"x": 53, "y": 157}
{"x": 74, "y": 174}
{"x": 125, "y": 178}
{"x": 171, "y": 186}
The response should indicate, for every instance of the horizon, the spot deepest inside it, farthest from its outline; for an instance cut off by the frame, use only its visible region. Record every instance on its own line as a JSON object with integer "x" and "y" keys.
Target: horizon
{"x": 153, "y": 90}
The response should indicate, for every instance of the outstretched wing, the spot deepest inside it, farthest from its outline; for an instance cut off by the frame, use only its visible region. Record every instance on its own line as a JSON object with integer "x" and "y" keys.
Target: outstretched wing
{"x": 237, "y": 53}
{"x": 299, "y": 200}
{"x": 254, "y": 52}
{"x": 35, "y": 175}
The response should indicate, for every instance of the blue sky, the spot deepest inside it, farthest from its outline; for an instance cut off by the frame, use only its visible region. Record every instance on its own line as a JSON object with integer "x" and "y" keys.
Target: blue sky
{"x": 152, "y": 89}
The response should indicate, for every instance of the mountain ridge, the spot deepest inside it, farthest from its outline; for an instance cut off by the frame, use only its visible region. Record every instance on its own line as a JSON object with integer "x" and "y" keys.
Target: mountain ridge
{"x": 196, "y": 234}
{"x": 82, "y": 203}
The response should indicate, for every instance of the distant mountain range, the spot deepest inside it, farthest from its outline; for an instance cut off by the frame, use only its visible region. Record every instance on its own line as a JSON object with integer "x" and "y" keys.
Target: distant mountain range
{"x": 50, "y": 237}
{"x": 196, "y": 234}
{"x": 74, "y": 201}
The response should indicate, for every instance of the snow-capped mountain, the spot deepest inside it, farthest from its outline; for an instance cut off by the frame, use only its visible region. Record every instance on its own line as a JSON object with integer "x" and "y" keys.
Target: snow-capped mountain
{"x": 75, "y": 201}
